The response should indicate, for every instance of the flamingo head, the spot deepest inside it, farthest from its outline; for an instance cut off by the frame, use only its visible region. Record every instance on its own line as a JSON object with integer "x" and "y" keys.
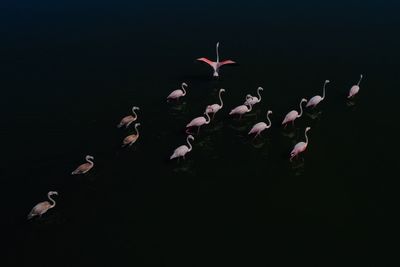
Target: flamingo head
{"x": 304, "y": 100}
{"x": 260, "y": 88}
{"x": 184, "y": 84}
{"x": 52, "y": 193}
{"x": 308, "y": 128}
{"x": 136, "y": 108}
{"x": 137, "y": 124}
{"x": 222, "y": 90}
{"x": 88, "y": 157}
{"x": 190, "y": 137}
{"x": 269, "y": 112}
{"x": 327, "y": 81}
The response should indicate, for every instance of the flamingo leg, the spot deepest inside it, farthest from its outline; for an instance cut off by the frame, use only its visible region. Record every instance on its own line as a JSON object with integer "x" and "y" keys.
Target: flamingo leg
{"x": 198, "y": 129}
{"x": 213, "y": 115}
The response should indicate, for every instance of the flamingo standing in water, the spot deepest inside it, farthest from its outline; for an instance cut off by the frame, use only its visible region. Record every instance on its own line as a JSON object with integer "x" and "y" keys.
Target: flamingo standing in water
{"x": 131, "y": 139}
{"x": 183, "y": 149}
{"x": 314, "y": 101}
{"x": 176, "y": 94}
{"x": 292, "y": 115}
{"x": 42, "y": 207}
{"x": 126, "y": 121}
{"x": 300, "y": 146}
{"x": 85, "y": 167}
{"x": 261, "y": 126}
{"x": 216, "y": 64}
{"x": 214, "y": 108}
{"x": 252, "y": 100}
{"x": 199, "y": 121}
{"x": 242, "y": 109}
{"x": 355, "y": 88}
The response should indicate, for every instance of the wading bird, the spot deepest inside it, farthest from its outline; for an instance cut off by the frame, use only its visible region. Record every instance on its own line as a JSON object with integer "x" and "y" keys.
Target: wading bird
{"x": 252, "y": 100}
{"x": 314, "y": 101}
{"x": 131, "y": 139}
{"x": 216, "y": 64}
{"x": 85, "y": 167}
{"x": 292, "y": 115}
{"x": 199, "y": 121}
{"x": 355, "y": 88}
{"x": 126, "y": 121}
{"x": 214, "y": 108}
{"x": 261, "y": 126}
{"x": 300, "y": 147}
{"x": 176, "y": 94}
{"x": 43, "y": 207}
{"x": 242, "y": 109}
{"x": 183, "y": 149}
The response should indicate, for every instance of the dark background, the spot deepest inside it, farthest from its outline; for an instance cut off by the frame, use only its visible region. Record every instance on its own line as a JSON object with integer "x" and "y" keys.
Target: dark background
{"x": 71, "y": 71}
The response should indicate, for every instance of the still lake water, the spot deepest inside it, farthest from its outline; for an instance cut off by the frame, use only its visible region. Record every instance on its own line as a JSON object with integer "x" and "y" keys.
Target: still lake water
{"x": 70, "y": 72}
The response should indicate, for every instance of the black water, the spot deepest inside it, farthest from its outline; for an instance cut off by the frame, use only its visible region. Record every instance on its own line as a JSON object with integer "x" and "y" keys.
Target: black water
{"x": 71, "y": 71}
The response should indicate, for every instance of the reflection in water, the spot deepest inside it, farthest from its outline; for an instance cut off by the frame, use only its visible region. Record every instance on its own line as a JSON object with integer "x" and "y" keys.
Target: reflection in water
{"x": 314, "y": 114}
{"x": 297, "y": 165}
{"x": 184, "y": 166}
{"x": 350, "y": 103}
{"x": 290, "y": 133}
{"x": 178, "y": 107}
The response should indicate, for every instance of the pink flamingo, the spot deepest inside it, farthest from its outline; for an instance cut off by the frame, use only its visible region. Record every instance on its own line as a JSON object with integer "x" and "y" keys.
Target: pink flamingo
{"x": 183, "y": 149}
{"x": 126, "y": 121}
{"x": 355, "y": 88}
{"x": 85, "y": 167}
{"x": 242, "y": 109}
{"x": 131, "y": 139}
{"x": 176, "y": 94}
{"x": 216, "y": 64}
{"x": 314, "y": 101}
{"x": 261, "y": 126}
{"x": 300, "y": 146}
{"x": 252, "y": 100}
{"x": 214, "y": 108}
{"x": 199, "y": 121}
{"x": 43, "y": 207}
{"x": 292, "y": 115}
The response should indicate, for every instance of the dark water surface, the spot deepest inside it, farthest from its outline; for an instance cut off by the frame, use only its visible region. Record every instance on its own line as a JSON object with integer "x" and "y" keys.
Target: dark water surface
{"x": 71, "y": 71}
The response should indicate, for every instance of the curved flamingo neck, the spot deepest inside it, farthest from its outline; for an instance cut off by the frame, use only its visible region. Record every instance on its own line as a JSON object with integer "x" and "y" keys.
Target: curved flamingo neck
{"x": 220, "y": 99}
{"x": 269, "y": 121}
{"x": 258, "y": 93}
{"x": 190, "y": 145}
{"x": 89, "y": 161}
{"x": 136, "y": 129}
{"x": 134, "y": 113}
{"x": 183, "y": 89}
{"x": 52, "y": 200}
{"x": 251, "y": 107}
{"x": 305, "y": 133}
{"x": 208, "y": 118}
{"x": 361, "y": 76}
{"x": 323, "y": 91}
{"x": 301, "y": 109}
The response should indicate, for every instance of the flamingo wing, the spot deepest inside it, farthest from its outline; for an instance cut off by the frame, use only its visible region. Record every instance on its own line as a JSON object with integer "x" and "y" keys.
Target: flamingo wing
{"x": 206, "y": 60}
{"x": 226, "y": 62}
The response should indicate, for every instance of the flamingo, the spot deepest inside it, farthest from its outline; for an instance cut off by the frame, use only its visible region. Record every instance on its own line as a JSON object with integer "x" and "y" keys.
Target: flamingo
{"x": 131, "y": 139}
{"x": 242, "y": 109}
{"x": 300, "y": 146}
{"x": 355, "y": 88}
{"x": 214, "y": 108}
{"x": 183, "y": 149}
{"x": 261, "y": 126}
{"x": 292, "y": 115}
{"x": 176, "y": 94}
{"x": 85, "y": 167}
{"x": 252, "y": 100}
{"x": 216, "y": 64}
{"x": 126, "y": 121}
{"x": 314, "y": 101}
{"x": 43, "y": 207}
{"x": 199, "y": 121}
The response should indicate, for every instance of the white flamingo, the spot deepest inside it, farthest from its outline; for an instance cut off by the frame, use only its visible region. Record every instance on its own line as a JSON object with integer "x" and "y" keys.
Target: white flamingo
{"x": 214, "y": 108}
{"x": 261, "y": 126}
{"x": 252, "y": 100}
{"x": 242, "y": 109}
{"x": 126, "y": 121}
{"x": 85, "y": 167}
{"x": 199, "y": 121}
{"x": 183, "y": 149}
{"x": 131, "y": 139}
{"x": 176, "y": 94}
{"x": 216, "y": 64}
{"x": 292, "y": 115}
{"x": 314, "y": 101}
{"x": 300, "y": 147}
{"x": 355, "y": 88}
{"x": 42, "y": 207}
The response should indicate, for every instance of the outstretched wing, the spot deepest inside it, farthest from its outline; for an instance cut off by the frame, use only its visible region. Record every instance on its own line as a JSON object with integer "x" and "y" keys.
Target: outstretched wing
{"x": 209, "y": 62}
{"x": 226, "y": 62}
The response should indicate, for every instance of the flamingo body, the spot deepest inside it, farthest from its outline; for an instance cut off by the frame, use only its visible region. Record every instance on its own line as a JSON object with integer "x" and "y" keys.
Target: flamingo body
{"x": 240, "y": 110}
{"x": 127, "y": 120}
{"x": 200, "y": 121}
{"x": 176, "y": 94}
{"x": 314, "y": 101}
{"x": 293, "y": 115}
{"x": 42, "y": 207}
{"x": 182, "y": 150}
{"x": 216, "y": 65}
{"x": 85, "y": 167}
{"x": 355, "y": 88}
{"x": 261, "y": 126}
{"x": 131, "y": 139}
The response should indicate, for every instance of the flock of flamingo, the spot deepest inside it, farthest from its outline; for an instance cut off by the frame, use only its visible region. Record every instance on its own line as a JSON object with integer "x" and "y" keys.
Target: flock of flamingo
{"x": 181, "y": 151}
